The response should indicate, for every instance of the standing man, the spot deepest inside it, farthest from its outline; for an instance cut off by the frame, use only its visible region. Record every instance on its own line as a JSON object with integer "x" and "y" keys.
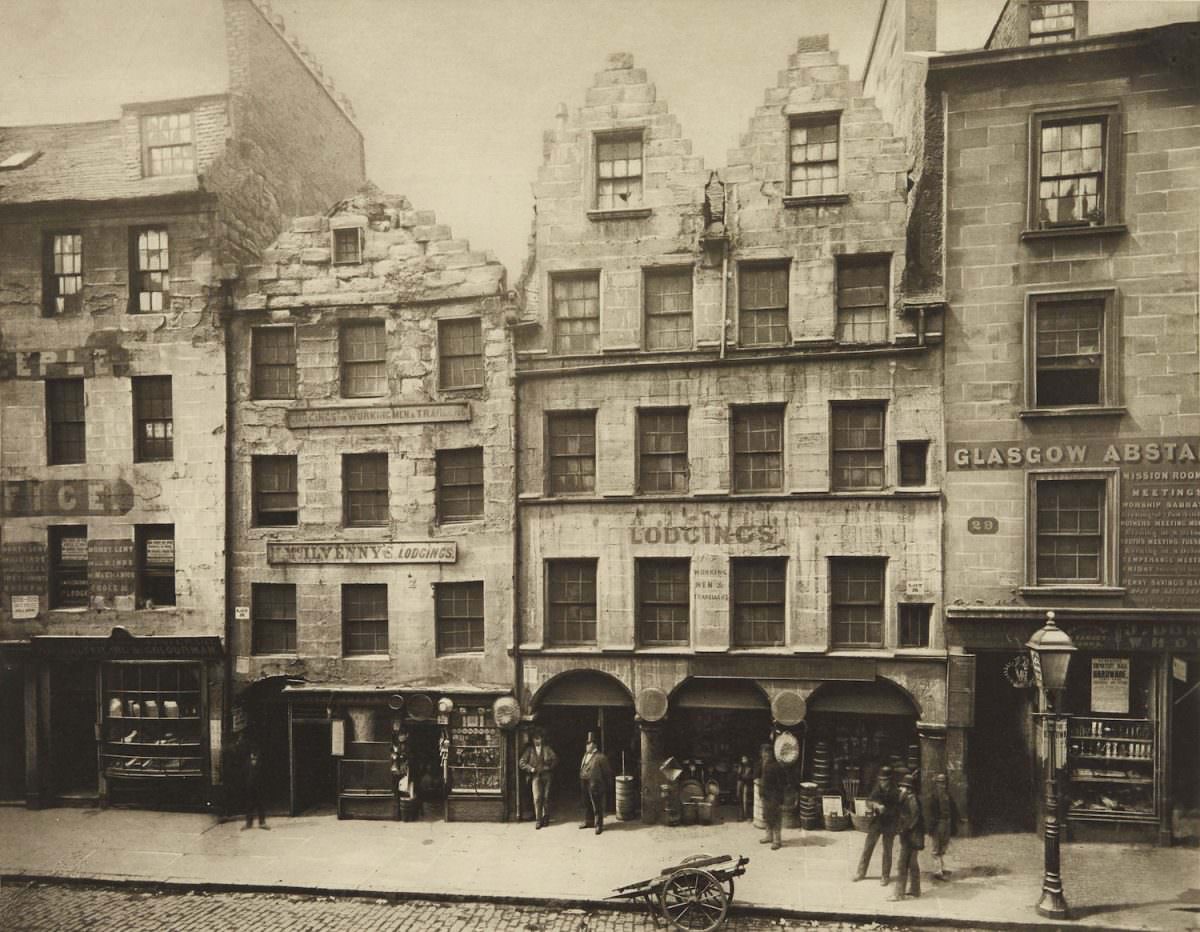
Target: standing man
{"x": 539, "y": 761}
{"x": 594, "y": 776}
{"x": 884, "y": 802}
{"x": 911, "y": 828}
{"x": 771, "y": 788}
{"x": 942, "y": 821}
{"x": 252, "y": 785}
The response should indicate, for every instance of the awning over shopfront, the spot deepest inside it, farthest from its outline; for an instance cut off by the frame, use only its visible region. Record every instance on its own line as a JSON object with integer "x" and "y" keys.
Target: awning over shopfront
{"x": 861, "y": 699}
{"x": 702, "y": 692}
{"x": 585, "y": 688}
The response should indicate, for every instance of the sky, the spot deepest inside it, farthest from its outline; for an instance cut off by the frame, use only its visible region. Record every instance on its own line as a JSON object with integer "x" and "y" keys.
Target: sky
{"x": 452, "y": 96}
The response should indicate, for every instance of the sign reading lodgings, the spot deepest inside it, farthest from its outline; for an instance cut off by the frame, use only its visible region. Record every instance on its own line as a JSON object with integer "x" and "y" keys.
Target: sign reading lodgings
{"x": 1159, "y": 504}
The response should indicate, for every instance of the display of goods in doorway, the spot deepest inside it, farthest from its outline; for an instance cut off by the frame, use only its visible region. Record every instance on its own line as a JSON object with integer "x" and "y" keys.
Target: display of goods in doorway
{"x": 787, "y": 748}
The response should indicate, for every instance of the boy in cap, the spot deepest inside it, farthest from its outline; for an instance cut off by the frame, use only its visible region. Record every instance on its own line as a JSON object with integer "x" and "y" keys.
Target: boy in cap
{"x": 943, "y": 822}
{"x": 911, "y": 829}
{"x": 884, "y": 802}
{"x": 594, "y": 776}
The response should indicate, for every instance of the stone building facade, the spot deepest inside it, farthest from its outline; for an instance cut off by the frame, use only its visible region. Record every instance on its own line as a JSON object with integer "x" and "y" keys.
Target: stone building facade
{"x": 729, "y": 440}
{"x": 119, "y": 244}
{"x": 1072, "y": 412}
{"x": 372, "y": 509}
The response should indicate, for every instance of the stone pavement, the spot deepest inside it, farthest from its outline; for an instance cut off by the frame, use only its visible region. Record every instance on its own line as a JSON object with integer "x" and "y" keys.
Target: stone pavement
{"x": 40, "y": 907}
{"x": 996, "y": 879}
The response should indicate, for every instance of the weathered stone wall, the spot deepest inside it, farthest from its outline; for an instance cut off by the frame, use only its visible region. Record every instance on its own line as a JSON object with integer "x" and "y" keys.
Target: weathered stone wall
{"x": 813, "y": 231}
{"x": 413, "y": 275}
{"x": 1012, "y": 26}
{"x": 1152, "y": 267}
{"x": 107, "y": 346}
{"x": 295, "y": 149}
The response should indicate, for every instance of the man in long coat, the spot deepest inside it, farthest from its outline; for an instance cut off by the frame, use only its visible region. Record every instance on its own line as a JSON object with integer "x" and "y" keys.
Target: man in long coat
{"x": 595, "y": 774}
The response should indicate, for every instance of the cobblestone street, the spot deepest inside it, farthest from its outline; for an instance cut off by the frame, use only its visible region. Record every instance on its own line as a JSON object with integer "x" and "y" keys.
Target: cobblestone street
{"x": 40, "y": 907}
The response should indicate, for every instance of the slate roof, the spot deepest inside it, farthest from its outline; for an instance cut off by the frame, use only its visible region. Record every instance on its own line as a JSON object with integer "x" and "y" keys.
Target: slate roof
{"x": 78, "y": 162}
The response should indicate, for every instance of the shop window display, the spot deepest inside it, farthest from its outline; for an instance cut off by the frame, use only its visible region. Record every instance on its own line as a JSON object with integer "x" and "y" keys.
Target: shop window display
{"x": 153, "y": 724}
{"x": 1112, "y": 759}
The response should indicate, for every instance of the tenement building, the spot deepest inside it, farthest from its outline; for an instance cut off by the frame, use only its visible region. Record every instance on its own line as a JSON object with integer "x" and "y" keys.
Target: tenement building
{"x": 119, "y": 243}
{"x": 729, "y": 442}
{"x": 1072, "y": 409}
{"x": 371, "y": 508}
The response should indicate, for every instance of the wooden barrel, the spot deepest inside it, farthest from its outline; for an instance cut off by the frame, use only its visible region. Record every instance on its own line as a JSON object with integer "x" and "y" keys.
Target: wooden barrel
{"x": 626, "y": 799}
{"x": 759, "y": 820}
{"x": 670, "y": 804}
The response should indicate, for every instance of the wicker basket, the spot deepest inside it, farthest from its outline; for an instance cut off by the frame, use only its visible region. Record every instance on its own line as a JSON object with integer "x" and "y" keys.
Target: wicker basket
{"x": 861, "y": 822}
{"x": 837, "y": 823}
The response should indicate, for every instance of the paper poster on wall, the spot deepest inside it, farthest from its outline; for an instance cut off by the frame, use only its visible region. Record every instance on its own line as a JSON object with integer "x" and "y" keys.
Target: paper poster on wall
{"x": 1110, "y": 685}
{"x": 337, "y": 733}
{"x": 1179, "y": 669}
{"x": 24, "y": 606}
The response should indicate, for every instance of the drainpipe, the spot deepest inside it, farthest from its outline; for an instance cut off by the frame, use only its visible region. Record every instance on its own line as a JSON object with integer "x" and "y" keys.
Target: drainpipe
{"x": 227, "y": 298}
{"x": 515, "y": 437}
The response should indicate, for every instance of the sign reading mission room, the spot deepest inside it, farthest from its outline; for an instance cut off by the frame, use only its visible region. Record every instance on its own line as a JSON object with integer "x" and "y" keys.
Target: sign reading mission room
{"x": 1159, "y": 514}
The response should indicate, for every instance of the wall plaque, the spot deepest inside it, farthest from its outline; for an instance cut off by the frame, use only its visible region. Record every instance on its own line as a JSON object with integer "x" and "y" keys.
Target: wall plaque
{"x": 384, "y": 551}
{"x": 303, "y": 418}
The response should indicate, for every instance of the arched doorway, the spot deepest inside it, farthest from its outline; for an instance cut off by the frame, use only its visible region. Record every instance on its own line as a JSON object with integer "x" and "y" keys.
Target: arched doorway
{"x": 853, "y": 729}
{"x": 567, "y": 708}
{"x": 713, "y": 722}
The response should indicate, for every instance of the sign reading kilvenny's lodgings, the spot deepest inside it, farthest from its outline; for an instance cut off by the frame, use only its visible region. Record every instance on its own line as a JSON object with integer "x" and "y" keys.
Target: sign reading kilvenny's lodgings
{"x": 383, "y": 551}
{"x": 378, "y": 414}
{"x": 1159, "y": 512}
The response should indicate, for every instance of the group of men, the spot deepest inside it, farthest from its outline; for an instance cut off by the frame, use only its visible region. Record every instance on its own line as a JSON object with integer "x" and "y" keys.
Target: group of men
{"x": 595, "y": 773}
{"x": 896, "y": 811}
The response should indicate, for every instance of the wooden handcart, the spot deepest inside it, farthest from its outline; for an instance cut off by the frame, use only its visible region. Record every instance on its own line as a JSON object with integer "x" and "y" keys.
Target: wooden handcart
{"x": 693, "y": 895}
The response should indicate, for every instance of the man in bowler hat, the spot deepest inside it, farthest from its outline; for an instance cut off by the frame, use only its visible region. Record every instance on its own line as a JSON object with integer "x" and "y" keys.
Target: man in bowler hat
{"x": 539, "y": 761}
{"x": 942, "y": 821}
{"x": 885, "y": 804}
{"x": 772, "y": 789}
{"x": 910, "y": 826}
{"x": 594, "y": 776}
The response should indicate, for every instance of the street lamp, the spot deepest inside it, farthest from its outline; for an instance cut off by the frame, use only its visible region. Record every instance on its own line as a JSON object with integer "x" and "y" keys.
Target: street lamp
{"x": 1050, "y": 649}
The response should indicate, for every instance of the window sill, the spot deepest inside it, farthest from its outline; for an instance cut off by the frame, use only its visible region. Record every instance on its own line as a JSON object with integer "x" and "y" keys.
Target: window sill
{"x": 450, "y": 655}
{"x": 815, "y": 200}
{"x": 625, "y": 213}
{"x": 1110, "y": 229}
{"x": 69, "y": 610}
{"x": 458, "y": 523}
{"x": 1089, "y": 411}
{"x": 875, "y": 650}
{"x": 461, "y": 388}
{"x": 371, "y": 658}
{"x": 280, "y": 655}
{"x": 1106, "y": 592}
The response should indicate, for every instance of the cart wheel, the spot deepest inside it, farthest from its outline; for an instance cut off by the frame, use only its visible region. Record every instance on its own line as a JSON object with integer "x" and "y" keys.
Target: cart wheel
{"x": 704, "y": 857}
{"x": 693, "y": 900}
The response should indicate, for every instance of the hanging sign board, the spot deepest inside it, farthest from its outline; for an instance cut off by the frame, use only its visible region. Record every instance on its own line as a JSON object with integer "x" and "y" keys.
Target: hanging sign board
{"x": 1179, "y": 669}
{"x": 1110, "y": 685}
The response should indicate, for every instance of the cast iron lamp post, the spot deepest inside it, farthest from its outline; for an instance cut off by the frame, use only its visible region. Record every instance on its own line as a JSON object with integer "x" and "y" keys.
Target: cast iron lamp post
{"x": 1050, "y": 649}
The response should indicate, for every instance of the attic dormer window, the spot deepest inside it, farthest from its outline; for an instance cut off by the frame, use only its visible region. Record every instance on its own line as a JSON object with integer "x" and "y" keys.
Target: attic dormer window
{"x": 1050, "y": 23}
{"x": 347, "y": 245}
{"x": 618, "y": 170}
{"x": 167, "y": 144}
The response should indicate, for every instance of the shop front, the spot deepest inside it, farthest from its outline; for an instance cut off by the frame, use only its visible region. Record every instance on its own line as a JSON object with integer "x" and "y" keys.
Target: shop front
{"x": 853, "y": 730}
{"x": 567, "y": 709}
{"x": 123, "y": 720}
{"x": 714, "y": 723}
{"x": 1130, "y": 769}
{"x": 398, "y": 753}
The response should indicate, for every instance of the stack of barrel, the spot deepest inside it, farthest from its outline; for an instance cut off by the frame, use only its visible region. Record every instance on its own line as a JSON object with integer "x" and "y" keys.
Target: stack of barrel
{"x": 822, "y": 767}
{"x": 810, "y": 807}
